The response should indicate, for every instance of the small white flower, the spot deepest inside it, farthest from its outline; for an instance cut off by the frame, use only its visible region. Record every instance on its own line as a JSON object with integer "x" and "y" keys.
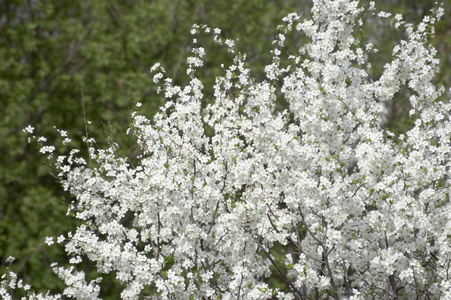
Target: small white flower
{"x": 384, "y": 14}
{"x": 157, "y": 77}
{"x": 154, "y": 67}
{"x": 47, "y": 149}
{"x": 29, "y": 129}
{"x": 230, "y": 43}
{"x": 60, "y": 239}
{"x": 440, "y": 12}
{"x": 49, "y": 240}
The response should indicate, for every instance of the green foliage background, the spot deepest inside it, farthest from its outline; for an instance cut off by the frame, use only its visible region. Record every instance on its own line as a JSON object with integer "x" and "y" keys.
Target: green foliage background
{"x": 51, "y": 50}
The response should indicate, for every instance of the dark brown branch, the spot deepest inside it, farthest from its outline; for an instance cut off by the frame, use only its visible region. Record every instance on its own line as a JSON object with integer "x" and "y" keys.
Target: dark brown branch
{"x": 288, "y": 281}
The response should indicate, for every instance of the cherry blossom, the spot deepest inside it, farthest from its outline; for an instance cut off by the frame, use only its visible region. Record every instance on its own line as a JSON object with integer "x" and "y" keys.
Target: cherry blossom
{"x": 360, "y": 212}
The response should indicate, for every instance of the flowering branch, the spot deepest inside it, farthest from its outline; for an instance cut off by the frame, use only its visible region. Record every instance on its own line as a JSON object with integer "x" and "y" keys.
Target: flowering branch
{"x": 197, "y": 216}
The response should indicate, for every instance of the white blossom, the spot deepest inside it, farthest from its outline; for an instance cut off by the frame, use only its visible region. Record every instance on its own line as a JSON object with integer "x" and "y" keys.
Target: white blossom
{"x": 29, "y": 129}
{"x": 365, "y": 213}
{"x": 49, "y": 240}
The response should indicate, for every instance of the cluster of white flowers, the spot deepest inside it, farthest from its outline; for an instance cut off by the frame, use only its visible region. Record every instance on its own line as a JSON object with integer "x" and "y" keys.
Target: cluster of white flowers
{"x": 365, "y": 217}
{"x": 10, "y": 281}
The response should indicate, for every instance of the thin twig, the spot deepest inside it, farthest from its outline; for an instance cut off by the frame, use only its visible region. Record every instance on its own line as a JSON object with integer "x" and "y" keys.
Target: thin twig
{"x": 288, "y": 281}
{"x": 86, "y": 125}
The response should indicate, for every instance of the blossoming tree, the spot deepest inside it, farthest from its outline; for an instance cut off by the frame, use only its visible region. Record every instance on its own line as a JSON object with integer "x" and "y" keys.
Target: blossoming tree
{"x": 361, "y": 213}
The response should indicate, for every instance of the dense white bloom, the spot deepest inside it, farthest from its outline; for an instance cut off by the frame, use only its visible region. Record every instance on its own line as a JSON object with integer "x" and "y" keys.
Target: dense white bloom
{"x": 359, "y": 215}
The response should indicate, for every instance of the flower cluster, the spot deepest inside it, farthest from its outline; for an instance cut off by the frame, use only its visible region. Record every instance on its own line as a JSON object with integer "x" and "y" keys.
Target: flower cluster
{"x": 218, "y": 185}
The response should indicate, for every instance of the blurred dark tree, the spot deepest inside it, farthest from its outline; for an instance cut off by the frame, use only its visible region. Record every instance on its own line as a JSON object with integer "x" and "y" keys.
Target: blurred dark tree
{"x": 52, "y": 50}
